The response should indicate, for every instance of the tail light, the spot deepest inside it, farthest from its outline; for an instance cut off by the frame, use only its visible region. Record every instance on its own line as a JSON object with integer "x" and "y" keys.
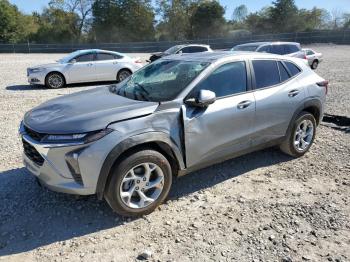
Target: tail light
{"x": 324, "y": 84}
{"x": 138, "y": 61}
{"x": 305, "y": 57}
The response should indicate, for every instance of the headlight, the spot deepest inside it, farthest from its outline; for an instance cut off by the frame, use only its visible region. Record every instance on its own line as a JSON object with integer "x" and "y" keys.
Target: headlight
{"x": 36, "y": 70}
{"x": 77, "y": 138}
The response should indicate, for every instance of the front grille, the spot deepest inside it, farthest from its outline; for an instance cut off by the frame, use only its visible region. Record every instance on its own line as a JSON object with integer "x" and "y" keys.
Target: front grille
{"x": 32, "y": 153}
{"x": 34, "y": 135}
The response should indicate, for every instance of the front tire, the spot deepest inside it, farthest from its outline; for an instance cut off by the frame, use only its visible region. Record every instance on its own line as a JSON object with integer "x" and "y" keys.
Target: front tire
{"x": 301, "y": 136}
{"x": 314, "y": 64}
{"x": 55, "y": 80}
{"x": 139, "y": 183}
{"x": 123, "y": 74}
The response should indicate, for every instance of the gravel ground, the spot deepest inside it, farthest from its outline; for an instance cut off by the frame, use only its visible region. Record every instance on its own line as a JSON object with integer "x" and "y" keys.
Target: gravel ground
{"x": 261, "y": 207}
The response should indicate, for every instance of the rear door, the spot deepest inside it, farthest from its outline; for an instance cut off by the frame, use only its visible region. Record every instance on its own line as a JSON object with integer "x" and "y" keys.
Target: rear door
{"x": 278, "y": 94}
{"x": 83, "y": 70}
{"x": 224, "y": 127}
{"x": 107, "y": 66}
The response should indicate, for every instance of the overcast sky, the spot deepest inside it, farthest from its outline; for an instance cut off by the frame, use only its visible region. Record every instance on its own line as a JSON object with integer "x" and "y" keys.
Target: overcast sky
{"x": 29, "y": 6}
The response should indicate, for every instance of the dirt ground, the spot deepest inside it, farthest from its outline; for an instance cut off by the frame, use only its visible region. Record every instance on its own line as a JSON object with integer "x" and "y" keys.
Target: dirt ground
{"x": 264, "y": 206}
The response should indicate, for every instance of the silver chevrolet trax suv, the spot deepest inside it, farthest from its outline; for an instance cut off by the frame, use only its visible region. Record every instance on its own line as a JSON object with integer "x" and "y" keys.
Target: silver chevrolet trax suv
{"x": 126, "y": 142}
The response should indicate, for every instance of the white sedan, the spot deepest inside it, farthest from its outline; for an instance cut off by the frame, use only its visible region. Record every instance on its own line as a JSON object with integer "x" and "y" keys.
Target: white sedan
{"x": 84, "y": 66}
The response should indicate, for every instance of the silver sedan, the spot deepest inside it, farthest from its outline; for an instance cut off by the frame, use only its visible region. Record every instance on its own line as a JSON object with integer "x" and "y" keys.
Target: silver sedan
{"x": 91, "y": 65}
{"x": 313, "y": 57}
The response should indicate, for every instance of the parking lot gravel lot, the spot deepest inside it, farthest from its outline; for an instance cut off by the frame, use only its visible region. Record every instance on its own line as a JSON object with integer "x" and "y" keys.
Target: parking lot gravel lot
{"x": 264, "y": 206}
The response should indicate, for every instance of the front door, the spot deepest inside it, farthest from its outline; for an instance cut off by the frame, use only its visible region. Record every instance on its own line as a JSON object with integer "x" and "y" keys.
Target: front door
{"x": 83, "y": 70}
{"x": 224, "y": 127}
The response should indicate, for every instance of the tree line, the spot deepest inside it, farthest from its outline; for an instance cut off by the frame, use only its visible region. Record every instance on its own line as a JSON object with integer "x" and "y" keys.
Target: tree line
{"x": 89, "y": 21}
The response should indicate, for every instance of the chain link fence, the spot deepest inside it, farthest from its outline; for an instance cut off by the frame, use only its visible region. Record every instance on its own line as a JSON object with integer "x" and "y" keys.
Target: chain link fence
{"x": 336, "y": 37}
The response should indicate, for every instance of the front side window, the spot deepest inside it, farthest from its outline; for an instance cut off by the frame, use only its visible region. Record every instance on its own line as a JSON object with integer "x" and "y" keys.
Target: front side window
{"x": 85, "y": 58}
{"x": 162, "y": 80}
{"x": 266, "y": 73}
{"x": 264, "y": 49}
{"x": 173, "y": 50}
{"x": 226, "y": 80}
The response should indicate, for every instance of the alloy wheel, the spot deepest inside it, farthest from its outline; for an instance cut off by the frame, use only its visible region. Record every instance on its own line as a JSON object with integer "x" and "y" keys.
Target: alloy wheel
{"x": 142, "y": 185}
{"x": 55, "y": 81}
{"x": 123, "y": 75}
{"x": 303, "y": 135}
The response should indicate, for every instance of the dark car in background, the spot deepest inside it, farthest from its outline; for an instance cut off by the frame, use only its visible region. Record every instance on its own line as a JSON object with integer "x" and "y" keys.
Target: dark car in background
{"x": 279, "y": 48}
{"x": 181, "y": 49}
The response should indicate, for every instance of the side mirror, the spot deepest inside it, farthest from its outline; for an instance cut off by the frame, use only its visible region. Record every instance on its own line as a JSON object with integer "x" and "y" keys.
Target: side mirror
{"x": 203, "y": 99}
{"x": 179, "y": 52}
{"x": 73, "y": 61}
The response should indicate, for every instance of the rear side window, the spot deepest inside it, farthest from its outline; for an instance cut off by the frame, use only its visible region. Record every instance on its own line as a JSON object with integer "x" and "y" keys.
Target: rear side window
{"x": 266, "y": 73}
{"x": 283, "y": 72}
{"x": 293, "y": 69}
{"x": 104, "y": 56}
{"x": 226, "y": 80}
{"x": 291, "y": 49}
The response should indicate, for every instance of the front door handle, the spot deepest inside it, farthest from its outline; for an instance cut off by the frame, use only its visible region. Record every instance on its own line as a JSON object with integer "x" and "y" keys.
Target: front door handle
{"x": 90, "y": 64}
{"x": 293, "y": 93}
{"x": 244, "y": 104}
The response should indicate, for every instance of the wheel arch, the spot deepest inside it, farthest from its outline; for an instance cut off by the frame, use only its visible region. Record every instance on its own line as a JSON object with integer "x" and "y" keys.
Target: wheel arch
{"x": 57, "y": 72}
{"x": 313, "y": 106}
{"x": 153, "y": 140}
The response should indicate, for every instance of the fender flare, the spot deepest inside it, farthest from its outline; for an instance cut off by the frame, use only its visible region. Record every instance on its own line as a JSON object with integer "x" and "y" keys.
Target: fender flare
{"x": 119, "y": 149}
{"x": 309, "y": 103}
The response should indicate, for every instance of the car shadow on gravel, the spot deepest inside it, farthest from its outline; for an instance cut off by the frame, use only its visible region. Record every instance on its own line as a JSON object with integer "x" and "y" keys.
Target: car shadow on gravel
{"x": 32, "y": 216}
{"x": 25, "y": 87}
{"x": 341, "y": 123}
{"x": 41, "y": 87}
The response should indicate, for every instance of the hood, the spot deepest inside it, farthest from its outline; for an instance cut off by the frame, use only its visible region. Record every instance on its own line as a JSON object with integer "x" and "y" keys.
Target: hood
{"x": 158, "y": 54}
{"x": 50, "y": 65}
{"x": 85, "y": 111}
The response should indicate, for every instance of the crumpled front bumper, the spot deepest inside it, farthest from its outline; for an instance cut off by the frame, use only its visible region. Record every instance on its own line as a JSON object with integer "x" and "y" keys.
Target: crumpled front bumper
{"x": 55, "y": 169}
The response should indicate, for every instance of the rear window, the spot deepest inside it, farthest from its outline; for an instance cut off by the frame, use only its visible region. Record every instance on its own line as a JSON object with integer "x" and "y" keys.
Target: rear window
{"x": 293, "y": 69}
{"x": 266, "y": 73}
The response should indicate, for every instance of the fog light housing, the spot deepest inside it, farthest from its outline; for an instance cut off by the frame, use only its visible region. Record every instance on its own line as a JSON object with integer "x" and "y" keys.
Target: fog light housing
{"x": 73, "y": 165}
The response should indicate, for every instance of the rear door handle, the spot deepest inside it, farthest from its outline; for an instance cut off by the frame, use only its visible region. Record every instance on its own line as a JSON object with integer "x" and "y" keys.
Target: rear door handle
{"x": 90, "y": 64}
{"x": 244, "y": 104}
{"x": 293, "y": 93}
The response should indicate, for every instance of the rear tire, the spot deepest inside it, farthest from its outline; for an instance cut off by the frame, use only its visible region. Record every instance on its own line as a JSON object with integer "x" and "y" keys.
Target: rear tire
{"x": 55, "y": 80}
{"x": 314, "y": 64}
{"x": 130, "y": 191}
{"x": 301, "y": 135}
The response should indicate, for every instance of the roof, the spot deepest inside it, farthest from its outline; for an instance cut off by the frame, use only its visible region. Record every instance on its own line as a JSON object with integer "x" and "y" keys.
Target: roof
{"x": 98, "y": 50}
{"x": 267, "y": 43}
{"x": 218, "y": 55}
